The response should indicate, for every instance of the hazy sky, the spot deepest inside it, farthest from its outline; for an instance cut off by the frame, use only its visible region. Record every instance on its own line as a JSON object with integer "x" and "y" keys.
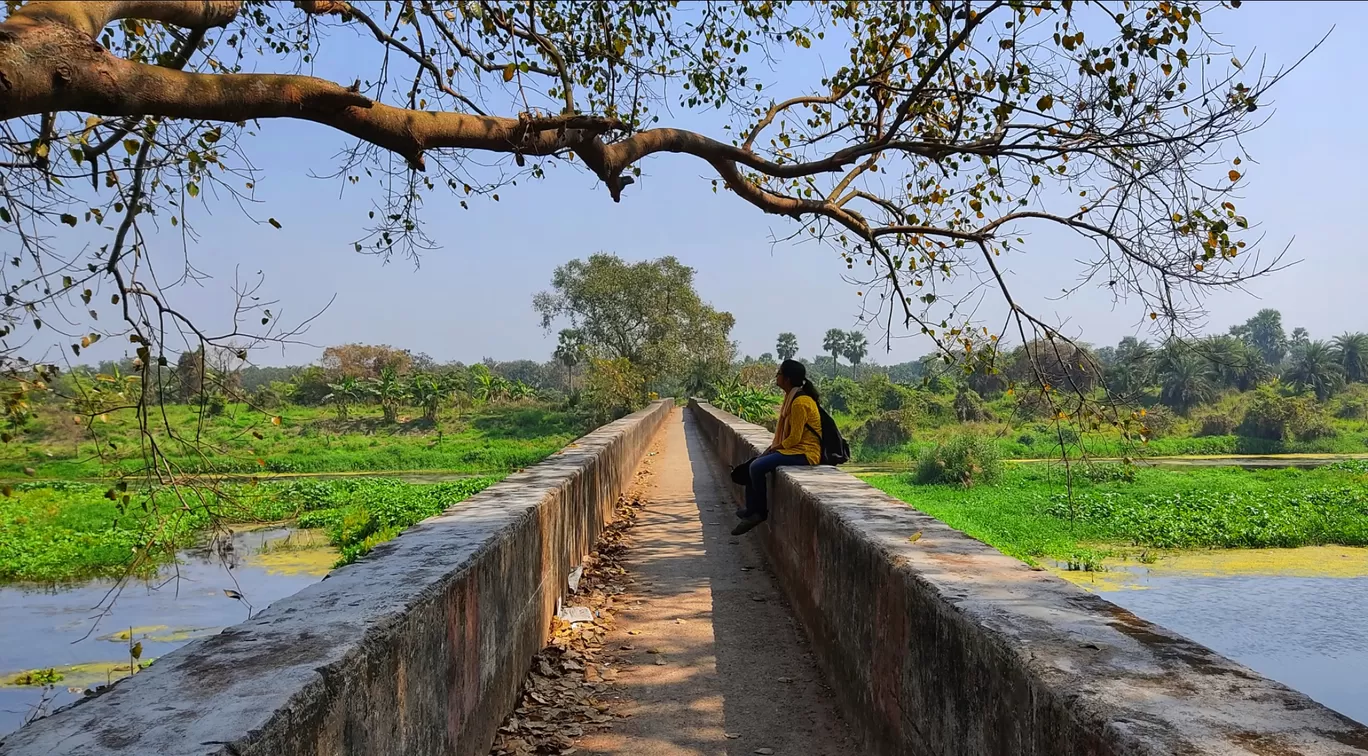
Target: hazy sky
{"x": 472, "y": 298}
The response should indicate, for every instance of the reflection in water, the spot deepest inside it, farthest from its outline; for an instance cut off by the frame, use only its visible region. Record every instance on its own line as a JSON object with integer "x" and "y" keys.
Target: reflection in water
{"x": 1294, "y": 615}
{"x": 47, "y": 627}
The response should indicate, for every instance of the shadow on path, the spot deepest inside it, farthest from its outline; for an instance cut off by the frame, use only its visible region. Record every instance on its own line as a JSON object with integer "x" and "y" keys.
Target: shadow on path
{"x": 717, "y": 665}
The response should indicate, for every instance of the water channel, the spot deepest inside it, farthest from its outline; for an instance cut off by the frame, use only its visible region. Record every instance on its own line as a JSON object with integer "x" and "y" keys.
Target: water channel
{"x": 1292, "y": 615}
{"x": 64, "y": 628}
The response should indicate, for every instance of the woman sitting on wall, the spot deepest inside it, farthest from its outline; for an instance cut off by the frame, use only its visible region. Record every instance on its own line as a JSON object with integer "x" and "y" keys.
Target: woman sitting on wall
{"x": 797, "y": 441}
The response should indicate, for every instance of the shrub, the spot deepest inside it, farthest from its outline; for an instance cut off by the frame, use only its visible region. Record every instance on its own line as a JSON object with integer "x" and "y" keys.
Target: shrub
{"x": 842, "y": 394}
{"x": 215, "y": 405}
{"x": 1159, "y": 421}
{"x": 967, "y": 460}
{"x": 1106, "y": 472}
{"x": 886, "y": 430}
{"x": 969, "y": 407}
{"x": 1352, "y": 404}
{"x": 1274, "y": 417}
{"x": 265, "y": 398}
{"x": 1215, "y": 424}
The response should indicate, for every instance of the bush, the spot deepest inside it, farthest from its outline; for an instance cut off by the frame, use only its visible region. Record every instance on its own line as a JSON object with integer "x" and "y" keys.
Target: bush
{"x": 966, "y": 460}
{"x": 1158, "y": 421}
{"x": 1274, "y": 417}
{"x": 1216, "y": 424}
{"x": 842, "y": 394}
{"x": 1352, "y": 404}
{"x": 215, "y": 405}
{"x": 265, "y": 398}
{"x": 969, "y": 407}
{"x": 886, "y": 430}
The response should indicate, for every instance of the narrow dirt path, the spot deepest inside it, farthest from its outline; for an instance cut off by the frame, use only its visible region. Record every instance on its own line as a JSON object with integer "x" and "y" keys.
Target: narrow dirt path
{"x": 711, "y": 661}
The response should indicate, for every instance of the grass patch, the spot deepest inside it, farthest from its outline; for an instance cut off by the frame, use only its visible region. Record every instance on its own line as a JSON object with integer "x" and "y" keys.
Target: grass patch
{"x": 1030, "y": 514}
{"x": 60, "y": 531}
{"x": 497, "y": 439}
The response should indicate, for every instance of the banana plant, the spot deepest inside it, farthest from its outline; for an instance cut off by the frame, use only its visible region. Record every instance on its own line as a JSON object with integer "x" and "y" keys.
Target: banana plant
{"x": 390, "y": 392}
{"x": 345, "y": 393}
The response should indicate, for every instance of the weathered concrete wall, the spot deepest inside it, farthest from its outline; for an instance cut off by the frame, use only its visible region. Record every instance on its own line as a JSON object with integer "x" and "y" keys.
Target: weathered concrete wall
{"x": 945, "y": 646}
{"x": 419, "y": 648}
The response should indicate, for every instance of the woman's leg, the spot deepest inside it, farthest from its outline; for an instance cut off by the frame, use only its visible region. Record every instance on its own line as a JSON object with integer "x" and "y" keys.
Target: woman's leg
{"x": 757, "y": 500}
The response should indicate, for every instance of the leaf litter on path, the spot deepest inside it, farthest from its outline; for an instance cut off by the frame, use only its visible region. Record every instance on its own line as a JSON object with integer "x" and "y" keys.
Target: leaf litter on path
{"x": 560, "y": 697}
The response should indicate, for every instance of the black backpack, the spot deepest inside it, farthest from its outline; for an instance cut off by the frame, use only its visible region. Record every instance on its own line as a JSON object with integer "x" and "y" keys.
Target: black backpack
{"x": 835, "y": 450}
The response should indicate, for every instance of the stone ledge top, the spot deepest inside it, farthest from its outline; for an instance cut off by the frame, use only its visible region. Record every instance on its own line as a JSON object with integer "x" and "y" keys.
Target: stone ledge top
{"x": 1142, "y": 682}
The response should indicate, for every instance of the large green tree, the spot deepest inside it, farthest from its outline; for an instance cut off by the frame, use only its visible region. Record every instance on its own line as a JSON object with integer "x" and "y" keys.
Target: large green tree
{"x": 1265, "y": 332}
{"x": 647, "y": 313}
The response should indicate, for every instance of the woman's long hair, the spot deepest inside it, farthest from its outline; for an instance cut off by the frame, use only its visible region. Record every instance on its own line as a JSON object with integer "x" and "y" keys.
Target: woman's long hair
{"x": 795, "y": 373}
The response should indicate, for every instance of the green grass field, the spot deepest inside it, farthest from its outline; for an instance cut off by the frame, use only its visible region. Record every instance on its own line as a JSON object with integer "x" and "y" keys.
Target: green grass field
{"x": 60, "y": 531}
{"x": 1113, "y": 509}
{"x": 307, "y": 440}
{"x": 54, "y": 528}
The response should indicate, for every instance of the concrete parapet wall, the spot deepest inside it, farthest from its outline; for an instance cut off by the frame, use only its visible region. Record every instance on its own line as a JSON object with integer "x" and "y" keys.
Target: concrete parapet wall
{"x": 420, "y": 648}
{"x": 943, "y": 645}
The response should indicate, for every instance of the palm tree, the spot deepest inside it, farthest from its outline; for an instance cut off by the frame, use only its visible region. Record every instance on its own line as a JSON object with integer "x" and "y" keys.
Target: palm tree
{"x": 855, "y": 348}
{"x": 834, "y": 342}
{"x": 1313, "y": 367}
{"x": 1185, "y": 382}
{"x": 1132, "y": 367}
{"x": 1265, "y": 333}
{"x": 1351, "y": 352}
{"x": 1235, "y": 362}
{"x": 787, "y": 346}
{"x": 570, "y": 352}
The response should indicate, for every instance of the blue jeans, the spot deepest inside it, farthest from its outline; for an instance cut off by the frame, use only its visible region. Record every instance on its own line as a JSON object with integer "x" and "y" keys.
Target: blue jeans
{"x": 757, "y": 500}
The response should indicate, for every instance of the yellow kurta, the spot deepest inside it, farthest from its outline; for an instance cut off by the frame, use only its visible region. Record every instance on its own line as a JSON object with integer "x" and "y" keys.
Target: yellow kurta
{"x": 804, "y": 431}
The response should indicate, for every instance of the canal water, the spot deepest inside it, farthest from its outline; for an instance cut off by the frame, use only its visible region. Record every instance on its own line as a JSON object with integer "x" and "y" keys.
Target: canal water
{"x": 64, "y": 627}
{"x": 1292, "y": 615}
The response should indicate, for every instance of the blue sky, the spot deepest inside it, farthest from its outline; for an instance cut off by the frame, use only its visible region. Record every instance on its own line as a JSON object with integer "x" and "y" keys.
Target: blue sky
{"x": 472, "y": 298}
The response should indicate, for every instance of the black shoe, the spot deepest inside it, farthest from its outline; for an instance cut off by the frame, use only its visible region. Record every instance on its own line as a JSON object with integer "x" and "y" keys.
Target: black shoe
{"x": 741, "y": 513}
{"x": 747, "y": 524}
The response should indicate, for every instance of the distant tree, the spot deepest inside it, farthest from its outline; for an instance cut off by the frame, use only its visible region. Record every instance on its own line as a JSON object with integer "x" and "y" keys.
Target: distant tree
{"x": 1132, "y": 368}
{"x": 1351, "y": 353}
{"x": 854, "y": 349}
{"x": 310, "y": 386}
{"x": 1065, "y": 367}
{"x": 1300, "y": 337}
{"x": 787, "y": 346}
{"x": 1265, "y": 332}
{"x": 1185, "y": 382}
{"x": 834, "y": 342}
{"x": 766, "y": 357}
{"x": 190, "y": 375}
{"x": 648, "y": 313}
{"x": 1235, "y": 363}
{"x": 570, "y": 353}
{"x": 1313, "y": 367}
{"x": 365, "y": 360}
